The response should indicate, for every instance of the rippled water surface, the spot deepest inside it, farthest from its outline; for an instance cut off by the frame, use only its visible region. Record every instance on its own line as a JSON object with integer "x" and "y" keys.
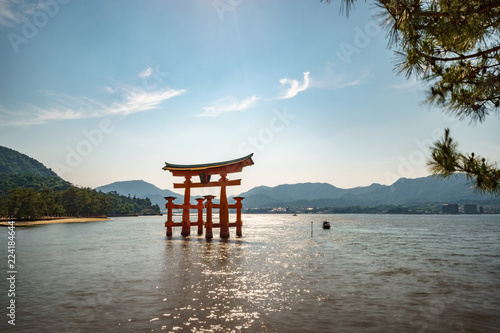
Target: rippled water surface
{"x": 369, "y": 273}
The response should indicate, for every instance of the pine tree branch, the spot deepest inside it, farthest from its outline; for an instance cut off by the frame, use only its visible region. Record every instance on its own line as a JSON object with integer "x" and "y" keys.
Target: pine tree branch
{"x": 462, "y": 57}
{"x": 447, "y": 160}
{"x": 465, "y": 13}
{"x": 346, "y": 4}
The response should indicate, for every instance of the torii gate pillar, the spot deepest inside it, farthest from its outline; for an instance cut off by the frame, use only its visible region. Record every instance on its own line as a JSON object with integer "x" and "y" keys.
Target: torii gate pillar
{"x": 223, "y": 210}
{"x": 239, "y": 222}
{"x": 186, "y": 224}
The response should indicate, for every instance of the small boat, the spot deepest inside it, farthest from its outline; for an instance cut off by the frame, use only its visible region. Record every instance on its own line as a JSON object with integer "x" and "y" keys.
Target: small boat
{"x": 294, "y": 214}
{"x": 326, "y": 225}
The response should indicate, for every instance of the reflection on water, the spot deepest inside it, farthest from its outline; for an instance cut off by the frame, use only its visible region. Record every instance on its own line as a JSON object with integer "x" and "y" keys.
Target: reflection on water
{"x": 368, "y": 273}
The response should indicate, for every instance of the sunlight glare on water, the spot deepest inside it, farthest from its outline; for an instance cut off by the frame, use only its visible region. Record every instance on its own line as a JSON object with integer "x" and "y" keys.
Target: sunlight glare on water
{"x": 377, "y": 273}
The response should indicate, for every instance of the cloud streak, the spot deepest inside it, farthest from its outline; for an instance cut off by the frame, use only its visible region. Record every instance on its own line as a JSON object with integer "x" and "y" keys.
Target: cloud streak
{"x": 229, "y": 104}
{"x": 410, "y": 84}
{"x": 66, "y": 107}
{"x": 12, "y": 12}
{"x": 333, "y": 80}
{"x": 146, "y": 73}
{"x": 294, "y": 88}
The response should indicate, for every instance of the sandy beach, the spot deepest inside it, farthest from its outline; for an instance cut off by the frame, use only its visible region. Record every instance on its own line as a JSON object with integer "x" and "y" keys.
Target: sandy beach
{"x": 55, "y": 221}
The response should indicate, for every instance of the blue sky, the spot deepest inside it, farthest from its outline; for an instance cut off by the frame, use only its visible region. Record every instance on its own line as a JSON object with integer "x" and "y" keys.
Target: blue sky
{"x": 104, "y": 91}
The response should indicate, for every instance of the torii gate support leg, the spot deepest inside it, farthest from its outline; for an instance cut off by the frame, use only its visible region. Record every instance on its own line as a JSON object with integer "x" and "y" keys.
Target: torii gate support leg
{"x": 186, "y": 224}
{"x": 200, "y": 215}
{"x": 223, "y": 210}
{"x": 239, "y": 222}
{"x": 170, "y": 206}
{"x": 208, "y": 225}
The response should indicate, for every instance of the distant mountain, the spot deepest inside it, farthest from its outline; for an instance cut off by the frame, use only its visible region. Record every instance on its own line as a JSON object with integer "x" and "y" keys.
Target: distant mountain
{"x": 403, "y": 192}
{"x": 141, "y": 189}
{"x": 131, "y": 187}
{"x": 423, "y": 190}
{"x": 14, "y": 163}
{"x": 291, "y": 192}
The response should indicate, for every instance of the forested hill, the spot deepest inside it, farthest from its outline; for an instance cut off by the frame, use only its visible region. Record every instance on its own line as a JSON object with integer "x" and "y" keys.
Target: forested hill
{"x": 32, "y": 181}
{"x": 13, "y": 163}
{"x": 20, "y": 171}
{"x": 29, "y": 191}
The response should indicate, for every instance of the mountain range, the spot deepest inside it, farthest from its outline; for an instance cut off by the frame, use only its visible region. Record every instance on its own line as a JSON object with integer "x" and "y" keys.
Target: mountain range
{"x": 403, "y": 192}
{"x": 141, "y": 189}
{"x": 19, "y": 170}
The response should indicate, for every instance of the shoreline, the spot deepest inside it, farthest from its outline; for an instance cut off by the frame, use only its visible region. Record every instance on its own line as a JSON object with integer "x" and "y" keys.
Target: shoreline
{"x": 55, "y": 221}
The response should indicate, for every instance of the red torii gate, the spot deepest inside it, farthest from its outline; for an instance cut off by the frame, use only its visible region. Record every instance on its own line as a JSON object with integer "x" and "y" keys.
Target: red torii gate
{"x": 205, "y": 171}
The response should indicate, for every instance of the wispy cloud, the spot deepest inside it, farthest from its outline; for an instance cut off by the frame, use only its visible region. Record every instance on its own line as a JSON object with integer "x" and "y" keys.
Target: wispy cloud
{"x": 110, "y": 90}
{"x": 146, "y": 73}
{"x": 294, "y": 88}
{"x": 13, "y": 11}
{"x": 229, "y": 104}
{"x": 138, "y": 101}
{"x": 410, "y": 84}
{"x": 65, "y": 107}
{"x": 333, "y": 79}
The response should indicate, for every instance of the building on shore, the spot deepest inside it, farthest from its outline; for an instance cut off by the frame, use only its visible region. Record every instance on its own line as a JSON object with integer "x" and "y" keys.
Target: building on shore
{"x": 470, "y": 209}
{"x": 449, "y": 209}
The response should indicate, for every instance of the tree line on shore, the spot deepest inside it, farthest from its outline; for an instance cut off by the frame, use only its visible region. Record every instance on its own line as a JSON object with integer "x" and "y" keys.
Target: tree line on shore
{"x": 30, "y": 197}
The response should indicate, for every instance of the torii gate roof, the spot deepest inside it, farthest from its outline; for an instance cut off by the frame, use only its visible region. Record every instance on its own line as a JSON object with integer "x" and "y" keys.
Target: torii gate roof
{"x": 231, "y": 166}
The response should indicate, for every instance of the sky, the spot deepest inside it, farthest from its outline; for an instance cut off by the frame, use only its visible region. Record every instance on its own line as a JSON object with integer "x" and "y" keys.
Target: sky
{"x": 105, "y": 91}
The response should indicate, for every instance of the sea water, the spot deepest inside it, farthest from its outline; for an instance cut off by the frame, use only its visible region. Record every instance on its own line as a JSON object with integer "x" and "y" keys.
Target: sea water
{"x": 368, "y": 273}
